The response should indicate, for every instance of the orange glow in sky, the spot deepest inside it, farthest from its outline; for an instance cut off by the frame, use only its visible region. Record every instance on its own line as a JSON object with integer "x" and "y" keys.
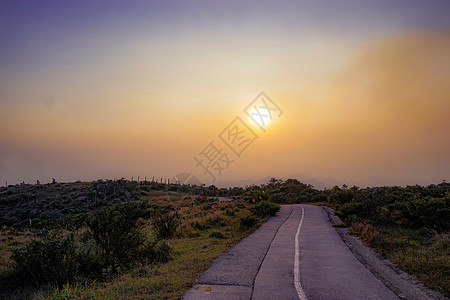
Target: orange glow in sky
{"x": 90, "y": 91}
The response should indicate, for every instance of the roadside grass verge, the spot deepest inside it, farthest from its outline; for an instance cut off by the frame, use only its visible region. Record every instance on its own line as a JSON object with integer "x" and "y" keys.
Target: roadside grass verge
{"x": 167, "y": 281}
{"x": 420, "y": 252}
{"x": 10, "y": 240}
{"x": 204, "y": 232}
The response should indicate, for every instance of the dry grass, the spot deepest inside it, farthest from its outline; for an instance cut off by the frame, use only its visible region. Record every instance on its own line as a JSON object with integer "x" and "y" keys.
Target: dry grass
{"x": 414, "y": 251}
{"x": 168, "y": 281}
{"x": 11, "y": 239}
{"x": 193, "y": 251}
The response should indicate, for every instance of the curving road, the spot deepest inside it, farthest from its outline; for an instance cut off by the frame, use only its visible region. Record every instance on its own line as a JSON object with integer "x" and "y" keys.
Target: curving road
{"x": 295, "y": 255}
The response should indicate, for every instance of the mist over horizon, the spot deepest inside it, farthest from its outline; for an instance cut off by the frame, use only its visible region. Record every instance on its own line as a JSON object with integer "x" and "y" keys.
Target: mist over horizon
{"x": 319, "y": 183}
{"x": 359, "y": 91}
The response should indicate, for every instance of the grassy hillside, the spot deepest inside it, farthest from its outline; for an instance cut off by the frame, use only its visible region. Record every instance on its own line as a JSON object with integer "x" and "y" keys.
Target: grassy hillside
{"x": 114, "y": 239}
{"x": 123, "y": 239}
{"x": 46, "y": 204}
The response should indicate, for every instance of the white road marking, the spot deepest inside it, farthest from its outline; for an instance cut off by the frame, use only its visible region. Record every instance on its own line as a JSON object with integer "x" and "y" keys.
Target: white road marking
{"x": 297, "y": 284}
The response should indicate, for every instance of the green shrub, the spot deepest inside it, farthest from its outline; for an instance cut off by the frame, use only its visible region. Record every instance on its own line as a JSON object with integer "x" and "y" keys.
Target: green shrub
{"x": 217, "y": 234}
{"x": 357, "y": 211}
{"x": 90, "y": 258}
{"x": 117, "y": 231}
{"x": 231, "y": 212}
{"x": 258, "y": 196}
{"x": 350, "y": 211}
{"x": 215, "y": 221}
{"x": 201, "y": 199}
{"x": 429, "y": 212}
{"x": 198, "y": 225}
{"x": 73, "y": 222}
{"x": 265, "y": 208}
{"x": 366, "y": 232}
{"x": 320, "y": 198}
{"x": 278, "y": 198}
{"x": 248, "y": 221}
{"x": 51, "y": 260}
{"x": 194, "y": 233}
{"x": 165, "y": 223}
{"x": 158, "y": 252}
{"x": 303, "y": 199}
{"x": 39, "y": 223}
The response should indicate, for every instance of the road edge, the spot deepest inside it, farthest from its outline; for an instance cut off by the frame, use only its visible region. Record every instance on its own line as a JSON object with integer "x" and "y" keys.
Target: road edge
{"x": 210, "y": 288}
{"x": 404, "y": 285}
{"x": 267, "y": 251}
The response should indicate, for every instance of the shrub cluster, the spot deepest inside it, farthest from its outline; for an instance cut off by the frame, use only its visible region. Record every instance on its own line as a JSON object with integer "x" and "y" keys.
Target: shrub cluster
{"x": 117, "y": 231}
{"x": 248, "y": 221}
{"x": 114, "y": 241}
{"x": 428, "y": 212}
{"x": 165, "y": 223}
{"x": 217, "y": 234}
{"x": 51, "y": 260}
{"x": 265, "y": 208}
{"x": 366, "y": 231}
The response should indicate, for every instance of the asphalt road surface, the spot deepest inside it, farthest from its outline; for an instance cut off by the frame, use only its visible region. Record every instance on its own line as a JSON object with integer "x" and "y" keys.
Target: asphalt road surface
{"x": 295, "y": 255}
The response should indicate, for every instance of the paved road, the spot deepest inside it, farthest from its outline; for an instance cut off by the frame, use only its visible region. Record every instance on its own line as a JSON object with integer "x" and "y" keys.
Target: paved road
{"x": 295, "y": 255}
{"x": 328, "y": 269}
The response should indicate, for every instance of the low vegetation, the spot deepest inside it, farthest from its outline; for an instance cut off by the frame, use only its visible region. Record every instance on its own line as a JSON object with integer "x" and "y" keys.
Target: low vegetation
{"x": 409, "y": 226}
{"x": 136, "y": 248}
{"x": 265, "y": 209}
{"x": 126, "y": 239}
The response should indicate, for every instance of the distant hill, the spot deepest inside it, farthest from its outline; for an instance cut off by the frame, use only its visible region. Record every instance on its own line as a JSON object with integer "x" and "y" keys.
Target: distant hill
{"x": 318, "y": 182}
{"x": 243, "y": 182}
{"x": 321, "y": 183}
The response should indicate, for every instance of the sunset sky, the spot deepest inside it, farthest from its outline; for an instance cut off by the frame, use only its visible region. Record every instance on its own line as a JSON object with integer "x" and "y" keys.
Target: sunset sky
{"x": 111, "y": 89}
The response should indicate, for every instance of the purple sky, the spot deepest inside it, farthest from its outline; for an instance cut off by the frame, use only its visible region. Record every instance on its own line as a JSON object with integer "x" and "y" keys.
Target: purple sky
{"x": 83, "y": 82}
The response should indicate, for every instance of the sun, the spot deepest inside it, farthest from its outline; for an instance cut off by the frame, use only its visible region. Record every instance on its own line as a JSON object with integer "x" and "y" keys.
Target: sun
{"x": 260, "y": 116}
